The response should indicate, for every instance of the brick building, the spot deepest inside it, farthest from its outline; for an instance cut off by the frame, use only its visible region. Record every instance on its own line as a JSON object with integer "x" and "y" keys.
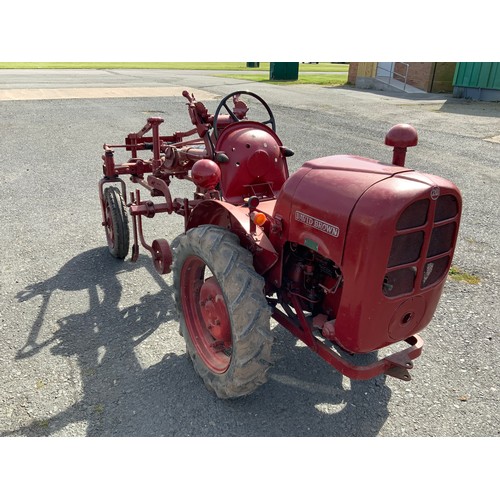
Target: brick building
{"x": 424, "y": 76}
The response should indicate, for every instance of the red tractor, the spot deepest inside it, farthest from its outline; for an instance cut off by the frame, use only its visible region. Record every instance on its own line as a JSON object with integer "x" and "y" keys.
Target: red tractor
{"x": 349, "y": 254}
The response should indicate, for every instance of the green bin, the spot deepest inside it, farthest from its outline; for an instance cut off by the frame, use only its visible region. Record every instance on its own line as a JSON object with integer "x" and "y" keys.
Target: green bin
{"x": 284, "y": 71}
{"x": 253, "y": 64}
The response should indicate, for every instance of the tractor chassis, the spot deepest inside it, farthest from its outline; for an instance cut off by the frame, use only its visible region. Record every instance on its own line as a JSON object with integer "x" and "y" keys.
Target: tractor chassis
{"x": 395, "y": 365}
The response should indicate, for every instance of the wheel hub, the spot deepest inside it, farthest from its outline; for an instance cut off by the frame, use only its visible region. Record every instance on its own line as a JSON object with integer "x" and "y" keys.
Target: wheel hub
{"x": 109, "y": 226}
{"x": 214, "y": 312}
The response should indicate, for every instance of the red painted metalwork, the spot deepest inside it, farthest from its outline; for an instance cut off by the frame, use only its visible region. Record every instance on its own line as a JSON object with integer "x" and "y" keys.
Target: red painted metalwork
{"x": 354, "y": 252}
{"x": 358, "y": 233}
{"x": 162, "y": 255}
{"x": 256, "y": 165}
{"x": 206, "y": 174}
{"x": 395, "y": 365}
{"x": 214, "y": 311}
{"x": 401, "y": 136}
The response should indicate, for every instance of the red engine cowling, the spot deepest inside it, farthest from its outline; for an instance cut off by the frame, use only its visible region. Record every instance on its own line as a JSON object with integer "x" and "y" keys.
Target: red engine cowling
{"x": 391, "y": 232}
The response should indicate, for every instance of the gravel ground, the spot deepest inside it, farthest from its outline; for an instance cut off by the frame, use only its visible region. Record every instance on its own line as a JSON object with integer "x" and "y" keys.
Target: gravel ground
{"x": 91, "y": 346}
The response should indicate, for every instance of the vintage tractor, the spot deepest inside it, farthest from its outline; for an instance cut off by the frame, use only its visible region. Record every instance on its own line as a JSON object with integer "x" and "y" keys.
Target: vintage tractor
{"x": 349, "y": 254}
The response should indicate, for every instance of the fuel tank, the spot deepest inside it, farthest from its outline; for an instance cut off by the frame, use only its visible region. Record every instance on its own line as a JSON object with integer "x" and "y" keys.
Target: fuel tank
{"x": 391, "y": 230}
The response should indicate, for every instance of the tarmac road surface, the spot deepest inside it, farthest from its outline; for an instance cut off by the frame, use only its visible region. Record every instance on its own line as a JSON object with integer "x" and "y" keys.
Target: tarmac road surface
{"x": 91, "y": 345}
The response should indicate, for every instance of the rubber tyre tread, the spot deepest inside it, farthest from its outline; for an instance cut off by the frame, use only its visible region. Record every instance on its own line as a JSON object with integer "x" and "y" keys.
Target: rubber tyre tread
{"x": 249, "y": 313}
{"x": 119, "y": 219}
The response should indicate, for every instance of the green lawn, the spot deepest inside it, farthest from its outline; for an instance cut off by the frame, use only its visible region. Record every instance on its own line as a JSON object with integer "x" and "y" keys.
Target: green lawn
{"x": 216, "y": 66}
{"x": 321, "y": 79}
{"x": 238, "y": 70}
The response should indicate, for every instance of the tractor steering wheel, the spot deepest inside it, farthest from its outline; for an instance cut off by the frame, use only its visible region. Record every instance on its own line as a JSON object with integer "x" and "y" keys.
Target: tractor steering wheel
{"x": 223, "y": 104}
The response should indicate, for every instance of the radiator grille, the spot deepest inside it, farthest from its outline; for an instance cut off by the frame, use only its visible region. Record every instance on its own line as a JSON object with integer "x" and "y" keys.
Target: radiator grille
{"x": 442, "y": 239}
{"x": 422, "y": 246}
{"x": 406, "y": 248}
{"x": 434, "y": 270}
{"x": 446, "y": 208}
{"x": 415, "y": 215}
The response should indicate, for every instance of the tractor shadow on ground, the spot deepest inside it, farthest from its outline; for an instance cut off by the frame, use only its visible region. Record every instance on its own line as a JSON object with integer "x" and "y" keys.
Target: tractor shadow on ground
{"x": 118, "y": 395}
{"x": 307, "y": 397}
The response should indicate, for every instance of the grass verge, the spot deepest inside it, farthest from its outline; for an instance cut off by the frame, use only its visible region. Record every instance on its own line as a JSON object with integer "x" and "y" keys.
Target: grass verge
{"x": 213, "y": 66}
{"x": 321, "y": 79}
{"x": 327, "y": 74}
{"x": 457, "y": 274}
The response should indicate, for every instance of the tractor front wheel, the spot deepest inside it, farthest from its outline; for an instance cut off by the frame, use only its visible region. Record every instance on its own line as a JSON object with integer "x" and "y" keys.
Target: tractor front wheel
{"x": 223, "y": 313}
{"x": 116, "y": 225}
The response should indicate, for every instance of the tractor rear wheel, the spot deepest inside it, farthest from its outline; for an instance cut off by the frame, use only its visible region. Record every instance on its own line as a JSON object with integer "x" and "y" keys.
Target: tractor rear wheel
{"x": 117, "y": 231}
{"x": 223, "y": 313}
